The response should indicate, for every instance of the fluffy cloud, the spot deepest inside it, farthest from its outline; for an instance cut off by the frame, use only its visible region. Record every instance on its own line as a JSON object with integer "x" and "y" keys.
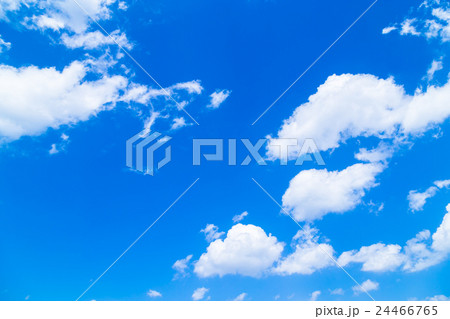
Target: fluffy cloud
{"x": 375, "y": 258}
{"x": 154, "y": 294}
{"x": 366, "y": 286}
{"x": 419, "y": 253}
{"x": 433, "y": 22}
{"x": 178, "y": 122}
{"x": 218, "y": 97}
{"x": 4, "y": 46}
{"x": 95, "y": 39}
{"x": 314, "y": 193}
{"x": 308, "y": 256}
{"x": 363, "y": 105}
{"x": 240, "y": 217}
{"x": 212, "y": 233}
{"x": 199, "y": 293}
{"x": 247, "y": 250}
{"x": 68, "y": 20}
{"x": 417, "y": 199}
{"x": 34, "y": 99}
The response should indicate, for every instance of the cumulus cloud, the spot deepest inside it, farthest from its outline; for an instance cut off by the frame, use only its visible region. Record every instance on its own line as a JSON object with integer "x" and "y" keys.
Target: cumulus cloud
{"x": 34, "y": 99}
{"x": 218, "y": 97}
{"x": 366, "y": 286}
{"x": 308, "y": 257}
{"x": 418, "y": 199}
{"x": 154, "y": 294}
{"x": 375, "y": 258}
{"x": 247, "y": 250}
{"x": 419, "y": 253}
{"x": 363, "y": 105}
{"x": 181, "y": 266}
{"x": 240, "y": 217}
{"x": 199, "y": 293}
{"x": 212, "y": 233}
{"x": 314, "y": 193}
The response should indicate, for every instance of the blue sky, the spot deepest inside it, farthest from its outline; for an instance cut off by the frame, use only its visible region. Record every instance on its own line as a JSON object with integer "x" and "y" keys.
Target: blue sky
{"x": 376, "y": 106}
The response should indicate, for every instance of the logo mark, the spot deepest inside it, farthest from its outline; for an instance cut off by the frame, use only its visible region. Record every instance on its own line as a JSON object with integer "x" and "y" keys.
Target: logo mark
{"x": 140, "y": 146}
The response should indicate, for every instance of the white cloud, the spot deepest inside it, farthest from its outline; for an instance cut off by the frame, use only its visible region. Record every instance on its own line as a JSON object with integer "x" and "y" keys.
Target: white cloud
{"x": 212, "y": 233}
{"x": 70, "y": 16}
{"x": 96, "y": 39}
{"x": 240, "y": 217}
{"x": 419, "y": 253}
{"x": 34, "y": 99}
{"x": 61, "y": 146}
{"x": 178, "y": 122}
{"x": 122, "y": 5}
{"x": 417, "y": 199}
{"x": 154, "y": 294}
{"x": 388, "y": 30}
{"x": 436, "y": 65}
{"x": 408, "y": 28}
{"x": 241, "y": 297}
{"x": 375, "y": 258}
{"x": 199, "y": 293}
{"x": 337, "y": 291}
{"x": 308, "y": 256}
{"x": 433, "y": 21}
{"x": 181, "y": 266}
{"x": 366, "y": 286}
{"x": 438, "y": 298}
{"x": 218, "y": 97}
{"x": 192, "y": 87}
{"x": 315, "y": 295}
{"x": 363, "y": 105}
{"x": 314, "y": 193}
{"x": 4, "y": 46}
{"x": 247, "y": 251}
